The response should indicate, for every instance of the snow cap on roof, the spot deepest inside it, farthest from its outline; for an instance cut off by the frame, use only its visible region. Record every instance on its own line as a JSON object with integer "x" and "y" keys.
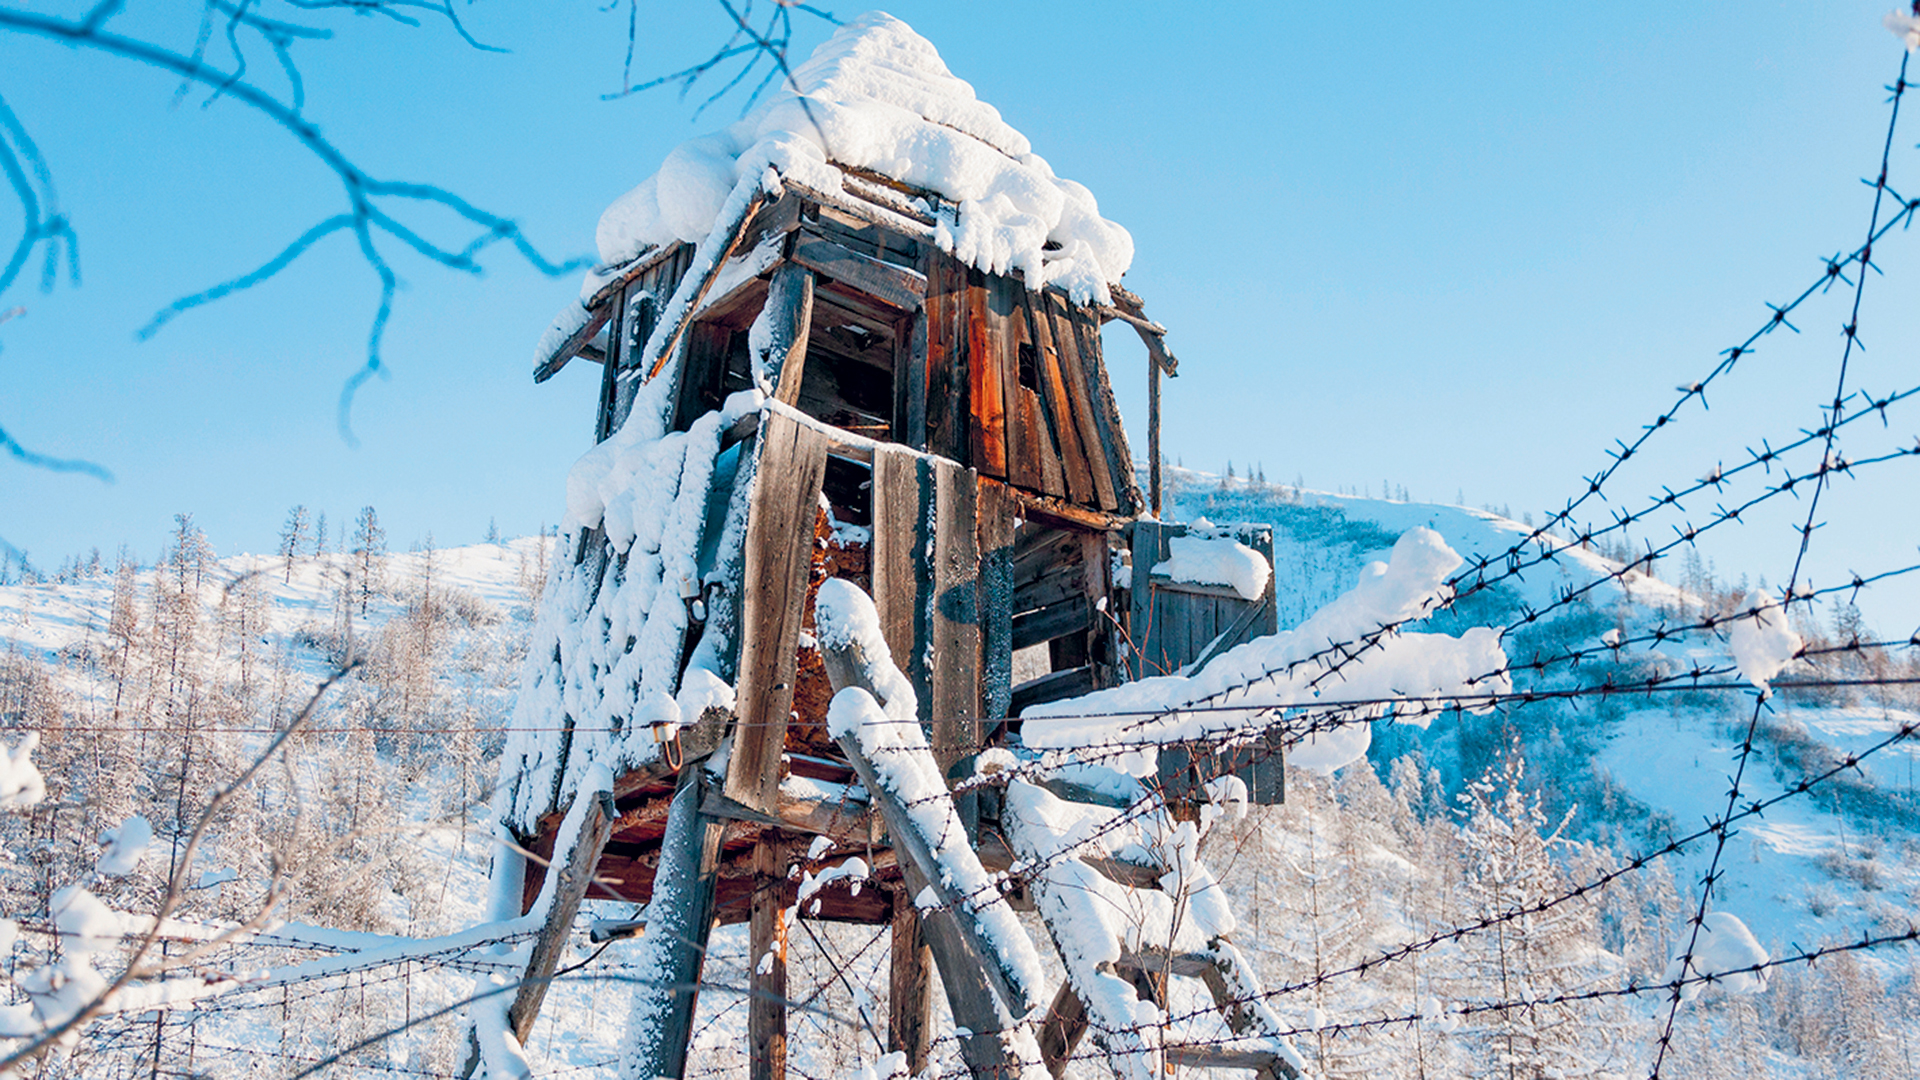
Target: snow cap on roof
{"x": 877, "y": 96}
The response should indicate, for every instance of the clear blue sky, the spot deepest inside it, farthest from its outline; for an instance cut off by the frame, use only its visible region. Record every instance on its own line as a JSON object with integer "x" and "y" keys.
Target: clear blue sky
{"x": 1458, "y": 251}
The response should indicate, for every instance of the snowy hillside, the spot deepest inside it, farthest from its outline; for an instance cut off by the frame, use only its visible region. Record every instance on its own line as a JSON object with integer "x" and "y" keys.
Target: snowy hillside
{"x": 152, "y": 688}
{"x": 1639, "y": 770}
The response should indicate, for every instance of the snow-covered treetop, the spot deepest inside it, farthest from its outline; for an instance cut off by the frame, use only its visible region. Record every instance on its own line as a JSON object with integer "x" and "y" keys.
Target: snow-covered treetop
{"x": 878, "y": 97}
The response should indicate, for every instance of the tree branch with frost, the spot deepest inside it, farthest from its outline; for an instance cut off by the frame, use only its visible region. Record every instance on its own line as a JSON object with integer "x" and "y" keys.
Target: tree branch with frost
{"x": 374, "y": 206}
{"x": 13, "y": 778}
{"x": 770, "y": 42}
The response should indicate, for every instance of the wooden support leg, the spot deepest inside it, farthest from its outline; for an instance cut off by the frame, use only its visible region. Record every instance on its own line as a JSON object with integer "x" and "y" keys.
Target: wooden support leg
{"x": 909, "y": 987}
{"x": 767, "y": 1008}
{"x": 576, "y": 874}
{"x": 1066, "y": 1022}
{"x": 679, "y": 921}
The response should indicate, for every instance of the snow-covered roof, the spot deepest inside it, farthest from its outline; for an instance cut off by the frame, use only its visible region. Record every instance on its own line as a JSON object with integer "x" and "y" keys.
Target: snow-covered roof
{"x": 877, "y": 97}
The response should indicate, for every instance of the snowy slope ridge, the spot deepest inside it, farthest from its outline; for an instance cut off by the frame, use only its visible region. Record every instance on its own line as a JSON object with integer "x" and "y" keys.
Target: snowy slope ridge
{"x": 1642, "y": 767}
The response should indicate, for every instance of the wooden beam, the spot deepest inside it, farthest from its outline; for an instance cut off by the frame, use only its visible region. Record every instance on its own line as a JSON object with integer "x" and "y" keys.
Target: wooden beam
{"x": 767, "y": 981}
{"x": 548, "y": 368}
{"x": 681, "y": 916}
{"x": 909, "y": 987}
{"x": 899, "y": 554}
{"x": 897, "y": 286}
{"x": 786, "y": 493}
{"x": 868, "y": 212}
{"x": 953, "y": 698}
{"x": 575, "y": 878}
{"x": 705, "y": 284}
{"x": 787, "y": 316}
{"x": 979, "y": 990}
{"x": 1061, "y": 1032}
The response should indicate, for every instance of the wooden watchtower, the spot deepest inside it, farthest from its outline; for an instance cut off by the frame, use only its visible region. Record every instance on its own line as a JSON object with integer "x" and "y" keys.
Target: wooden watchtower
{"x": 947, "y": 440}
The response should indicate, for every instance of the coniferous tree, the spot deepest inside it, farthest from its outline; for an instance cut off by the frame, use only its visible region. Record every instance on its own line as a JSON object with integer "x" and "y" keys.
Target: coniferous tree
{"x": 369, "y": 553}
{"x": 293, "y": 537}
{"x": 320, "y": 534}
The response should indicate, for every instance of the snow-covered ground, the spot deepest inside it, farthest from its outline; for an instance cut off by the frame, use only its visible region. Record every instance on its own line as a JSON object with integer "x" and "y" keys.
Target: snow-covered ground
{"x": 1814, "y": 869}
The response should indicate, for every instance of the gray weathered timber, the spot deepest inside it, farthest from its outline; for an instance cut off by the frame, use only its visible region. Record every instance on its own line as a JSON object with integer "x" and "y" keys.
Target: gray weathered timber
{"x": 898, "y": 287}
{"x": 576, "y": 875}
{"x": 899, "y": 560}
{"x": 980, "y": 992}
{"x": 786, "y": 492}
{"x": 767, "y": 1006}
{"x": 788, "y": 315}
{"x": 909, "y": 987}
{"x": 954, "y": 621}
{"x": 994, "y": 511}
{"x": 680, "y": 919}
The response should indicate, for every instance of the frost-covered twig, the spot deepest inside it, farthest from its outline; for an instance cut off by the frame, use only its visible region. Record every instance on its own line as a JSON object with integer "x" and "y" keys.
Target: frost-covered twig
{"x": 135, "y": 967}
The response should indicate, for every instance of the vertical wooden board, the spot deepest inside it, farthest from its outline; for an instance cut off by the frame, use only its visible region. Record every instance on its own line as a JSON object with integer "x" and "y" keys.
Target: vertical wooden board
{"x": 766, "y": 1009}
{"x": 1106, "y": 413}
{"x": 1143, "y": 537}
{"x": 909, "y": 987}
{"x": 1006, "y": 333}
{"x": 1052, "y": 308}
{"x": 954, "y": 682}
{"x": 786, "y": 491}
{"x": 910, "y": 379}
{"x": 987, "y": 399}
{"x": 1268, "y": 622}
{"x": 789, "y": 316}
{"x": 994, "y": 511}
{"x": 948, "y": 382}
{"x": 899, "y": 549}
{"x": 1061, "y": 434}
{"x": 1094, "y": 565}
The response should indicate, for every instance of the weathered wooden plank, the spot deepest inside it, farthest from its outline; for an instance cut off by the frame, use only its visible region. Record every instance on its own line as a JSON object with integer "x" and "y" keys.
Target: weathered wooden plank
{"x": 549, "y": 367}
{"x": 610, "y": 375}
{"x": 787, "y": 316}
{"x": 1055, "y": 620}
{"x": 899, "y": 562}
{"x": 909, "y": 987}
{"x": 786, "y": 492}
{"x": 767, "y": 982}
{"x": 985, "y": 372}
{"x": 979, "y": 989}
{"x": 1006, "y": 332}
{"x": 865, "y": 211}
{"x": 1052, "y": 687}
{"x": 902, "y": 288}
{"x": 910, "y": 383}
{"x": 1060, "y": 408}
{"x": 576, "y": 876}
{"x": 1149, "y": 547}
{"x": 1053, "y": 309}
{"x": 994, "y": 511}
{"x": 1062, "y": 1030}
{"x": 948, "y": 381}
{"x": 1106, "y": 413}
{"x": 954, "y": 620}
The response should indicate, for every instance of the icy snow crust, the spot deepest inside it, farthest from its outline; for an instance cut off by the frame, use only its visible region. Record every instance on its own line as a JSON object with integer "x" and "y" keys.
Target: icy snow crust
{"x": 877, "y": 96}
{"x": 1252, "y": 679}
